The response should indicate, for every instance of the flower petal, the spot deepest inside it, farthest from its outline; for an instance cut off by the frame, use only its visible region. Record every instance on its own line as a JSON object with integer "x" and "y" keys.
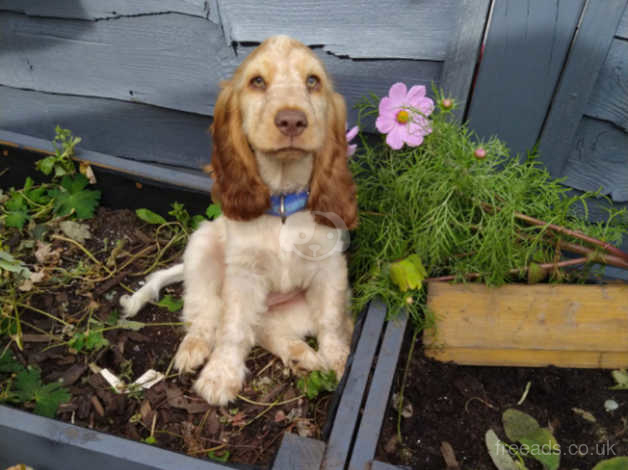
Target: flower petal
{"x": 388, "y": 106}
{"x": 352, "y": 133}
{"x": 351, "y": 149}
{"x": 395, "y": 137}
{"x": 414, "y": 140}
{"x": 426, "y": 106}
{"x": 385, "y": 123}
{"x": 415, "y": 94}
{"x": 398, "y": 92}
{"x": 420, "y": 126}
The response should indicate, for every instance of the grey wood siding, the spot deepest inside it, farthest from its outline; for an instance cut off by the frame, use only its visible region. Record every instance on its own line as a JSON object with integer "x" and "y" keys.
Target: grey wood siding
{"x": 139, "y": 79}
{"x": 525, "y": 49}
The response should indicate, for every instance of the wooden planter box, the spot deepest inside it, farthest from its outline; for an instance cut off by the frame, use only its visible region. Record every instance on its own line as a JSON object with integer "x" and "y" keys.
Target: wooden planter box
{"x": 514, "y": 325}
{"x": 46, "y": 443}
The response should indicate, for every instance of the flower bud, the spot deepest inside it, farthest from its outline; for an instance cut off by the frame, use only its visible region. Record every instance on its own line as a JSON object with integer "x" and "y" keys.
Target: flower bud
{"x": 447, "y": 103}
{"x": 479, "y": 153}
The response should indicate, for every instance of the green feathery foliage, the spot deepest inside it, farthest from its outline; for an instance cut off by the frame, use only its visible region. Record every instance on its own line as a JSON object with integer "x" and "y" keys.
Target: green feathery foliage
{"x": 458, "y": 212}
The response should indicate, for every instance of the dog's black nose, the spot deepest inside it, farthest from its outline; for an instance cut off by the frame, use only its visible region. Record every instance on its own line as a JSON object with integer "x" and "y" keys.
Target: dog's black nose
{"x": 291, "y": 122}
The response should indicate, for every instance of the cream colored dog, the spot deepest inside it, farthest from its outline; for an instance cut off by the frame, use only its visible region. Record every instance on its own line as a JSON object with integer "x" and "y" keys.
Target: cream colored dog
{"x": 264, "y": 273}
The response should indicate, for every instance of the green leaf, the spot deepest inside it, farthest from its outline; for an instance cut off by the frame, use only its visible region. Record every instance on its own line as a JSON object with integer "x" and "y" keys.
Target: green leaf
{"x": 9, "y": 263}
{"x": 8, "y": 363}
{"x": 196, "y": 221}
{"x": 27, "y": 383}
{"x": 518, "y": 424}
{"x": 150, "y": 440}
{"x": 213, "y": 211}
{"x": 16, "y": 219}
{"x": 316, "y": 382}
{"x": 46, "y": 165}
{"x": 72, "y": 196}
{"x": 112, "y": 318}
{"x": 149, "y": 216}
{"x": 621, "y": 379}
{"x": 48, "y": 399}
{"x": 543, "y": 447}
{"x": 89, "y": 341}
{"x": 498, "y": 452}
{"x": 39, "y": 195}
{"x": 616, "y": 463}
{"x": 16, "y": 203}
{"x": 408, "y": 273}
{"x": 171, "y": 303}
{"x": 179, "y": 213}
{"x": 219, "y": 458}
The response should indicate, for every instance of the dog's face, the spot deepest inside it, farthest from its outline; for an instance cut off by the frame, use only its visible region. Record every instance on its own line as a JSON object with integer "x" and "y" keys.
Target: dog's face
{"x": 284, "y": 92}
{"x": 281, "y": 103}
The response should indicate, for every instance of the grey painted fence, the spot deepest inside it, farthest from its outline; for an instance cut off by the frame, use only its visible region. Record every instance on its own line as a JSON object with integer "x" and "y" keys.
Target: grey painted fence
{"x": 139, "y": 80}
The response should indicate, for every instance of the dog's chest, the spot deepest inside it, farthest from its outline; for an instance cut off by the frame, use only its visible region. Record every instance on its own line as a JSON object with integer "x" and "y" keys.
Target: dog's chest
{"x": 289, "y": 254}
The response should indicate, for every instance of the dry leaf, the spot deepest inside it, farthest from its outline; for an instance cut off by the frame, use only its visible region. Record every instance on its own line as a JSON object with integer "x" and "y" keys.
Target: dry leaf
{"x": 45, "y": 254}
{"x": 76, "y": 231}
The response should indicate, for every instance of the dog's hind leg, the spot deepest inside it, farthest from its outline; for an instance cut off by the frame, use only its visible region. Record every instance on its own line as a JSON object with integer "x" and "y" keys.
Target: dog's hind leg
{"x": 204, "y": 267}
{"x": 281, "y": 332}
{"x": 150, "y": 291}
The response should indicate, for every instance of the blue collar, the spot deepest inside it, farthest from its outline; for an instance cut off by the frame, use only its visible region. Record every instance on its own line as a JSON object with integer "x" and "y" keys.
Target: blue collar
{"x": 284, "y": 205}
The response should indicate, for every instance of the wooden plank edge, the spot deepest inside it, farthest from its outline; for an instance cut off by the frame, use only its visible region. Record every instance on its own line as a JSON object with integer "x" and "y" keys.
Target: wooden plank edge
{"x": 63, "y": 436}
{"x": 345, "y": 421}
{"x": 379, "y": 391}
{"x": 186, "y": 179}
{"x": 529, "y": 358}
{"x": 299, "y": 453}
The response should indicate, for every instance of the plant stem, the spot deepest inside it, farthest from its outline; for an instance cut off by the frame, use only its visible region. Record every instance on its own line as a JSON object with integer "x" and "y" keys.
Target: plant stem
{"x": 545, "y": 267}
{"x": 46, "y": 314}
{"x": 403, "y": 383}
{"x": 574, "y": 233}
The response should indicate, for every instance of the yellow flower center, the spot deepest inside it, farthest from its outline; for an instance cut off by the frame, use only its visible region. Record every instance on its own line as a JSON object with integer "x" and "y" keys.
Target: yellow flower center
{"x": 403, "y": 117}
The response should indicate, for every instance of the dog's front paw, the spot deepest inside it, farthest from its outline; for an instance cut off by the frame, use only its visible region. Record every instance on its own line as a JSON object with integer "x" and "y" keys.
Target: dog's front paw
{"x": 192, "y": 353}
{"x": 335, "y": 354}
{"x": 304, "y": 359}
{"x": 220, "y": 382}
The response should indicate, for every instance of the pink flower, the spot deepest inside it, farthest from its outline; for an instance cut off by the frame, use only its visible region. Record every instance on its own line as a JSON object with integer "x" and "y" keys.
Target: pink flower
{"x": 351, "y": 148}
{"x": 403, "y": 116}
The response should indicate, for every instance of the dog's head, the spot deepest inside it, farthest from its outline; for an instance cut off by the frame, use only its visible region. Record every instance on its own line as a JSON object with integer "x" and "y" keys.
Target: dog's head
{"x": 281, "y": 102}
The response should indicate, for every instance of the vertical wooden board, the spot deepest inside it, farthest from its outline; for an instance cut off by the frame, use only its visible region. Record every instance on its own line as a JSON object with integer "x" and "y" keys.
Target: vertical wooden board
{"x": 298, "y": 453}
{"x": 170, "y": 60}
{"x": 622, "y": 29}
{"x": 135, "y": 131}
{"x": 598, "y": 160}
{"x": 98, "y": 9}
{"x": 341, "y": 436}
{"x": 530, "y": 317}
{"x": 464, "y": 51}
{"x": 360, "y": 29}
{"x": 588, "y": 53}
{"x": 609, "y": 98}
{"x": 379, "y": 392}
{"x": 525, "y": 48}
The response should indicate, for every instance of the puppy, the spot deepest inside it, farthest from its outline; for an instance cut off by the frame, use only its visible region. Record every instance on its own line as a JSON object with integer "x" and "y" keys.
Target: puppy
{"x": 269, "y": 271}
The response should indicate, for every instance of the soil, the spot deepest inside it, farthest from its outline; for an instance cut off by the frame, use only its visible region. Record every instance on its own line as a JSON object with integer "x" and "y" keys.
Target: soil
{"x": 248, "y": 431}
{"x": 458, "y": 404}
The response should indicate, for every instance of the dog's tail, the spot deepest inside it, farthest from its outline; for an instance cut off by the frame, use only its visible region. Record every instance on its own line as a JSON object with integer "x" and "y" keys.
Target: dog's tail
{"x": 150, "y": 291}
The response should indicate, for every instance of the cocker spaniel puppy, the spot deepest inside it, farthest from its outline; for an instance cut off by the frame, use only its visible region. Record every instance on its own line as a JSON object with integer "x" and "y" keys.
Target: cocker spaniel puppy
{"x": 270, "y": 270}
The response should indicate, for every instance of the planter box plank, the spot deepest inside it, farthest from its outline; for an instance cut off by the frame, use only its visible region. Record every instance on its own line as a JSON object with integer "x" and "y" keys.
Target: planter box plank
{"x": 379, "y": 391}
{"x": 529, "y": 325}
{"x": 346, "y": 418}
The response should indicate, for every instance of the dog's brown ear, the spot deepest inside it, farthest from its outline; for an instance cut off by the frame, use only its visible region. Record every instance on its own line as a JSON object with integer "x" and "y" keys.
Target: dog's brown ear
{"x": 332, "y": 188}
{"x": 237, "y": 185}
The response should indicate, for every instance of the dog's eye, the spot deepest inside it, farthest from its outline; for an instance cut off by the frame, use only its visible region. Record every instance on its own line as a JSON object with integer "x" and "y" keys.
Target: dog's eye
{"x": 312, "y": 82}
{"x": 258, "y": 82}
